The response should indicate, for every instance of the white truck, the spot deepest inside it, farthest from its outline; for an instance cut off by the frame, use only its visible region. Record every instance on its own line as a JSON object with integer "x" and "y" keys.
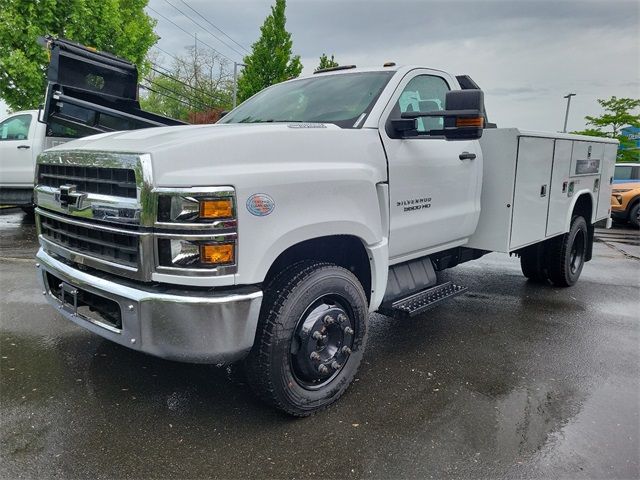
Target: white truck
{"x": 271, "y": 236}
{"x": 88, "y": 92}
{"x": 22, "y": 139}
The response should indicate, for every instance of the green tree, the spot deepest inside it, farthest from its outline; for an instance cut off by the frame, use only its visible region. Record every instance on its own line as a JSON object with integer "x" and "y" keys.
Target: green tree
{"x": 271, "y": 60}
{"x": 120, "y": 27}
{"x": 326, "y": 62}
{"x": 618, "y": 113}
{"x": 198, "y": 82}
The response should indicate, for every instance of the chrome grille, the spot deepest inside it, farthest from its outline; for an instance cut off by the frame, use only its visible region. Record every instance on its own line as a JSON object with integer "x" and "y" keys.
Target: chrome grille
{"x": 120, "y": 247}
{"x": 117, "y": 182}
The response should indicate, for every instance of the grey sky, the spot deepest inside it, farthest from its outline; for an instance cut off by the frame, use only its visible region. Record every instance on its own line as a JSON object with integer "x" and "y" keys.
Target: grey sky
{"x": 525, "y": 54}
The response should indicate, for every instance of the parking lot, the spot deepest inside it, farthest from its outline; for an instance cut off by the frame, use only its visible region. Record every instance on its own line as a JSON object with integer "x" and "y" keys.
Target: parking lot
{"x": 510, "y": 380}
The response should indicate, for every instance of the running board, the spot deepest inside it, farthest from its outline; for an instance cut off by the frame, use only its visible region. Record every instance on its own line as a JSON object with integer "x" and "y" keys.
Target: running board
{"x": 419, "y": 302}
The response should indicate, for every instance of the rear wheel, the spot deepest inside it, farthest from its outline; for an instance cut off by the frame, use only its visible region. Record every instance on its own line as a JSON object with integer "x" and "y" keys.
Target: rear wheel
{"x": 310, "y": 338}
{"x": 567, "y": 254}
{"x": 533, "y": 263}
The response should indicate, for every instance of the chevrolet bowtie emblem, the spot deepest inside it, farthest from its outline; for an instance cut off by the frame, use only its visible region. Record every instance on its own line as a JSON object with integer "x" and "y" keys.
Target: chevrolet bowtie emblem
{"x": 69, "y": 198}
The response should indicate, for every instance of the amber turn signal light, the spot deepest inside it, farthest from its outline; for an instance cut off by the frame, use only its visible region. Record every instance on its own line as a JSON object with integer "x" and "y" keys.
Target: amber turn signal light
{"x": 218, "y": 208}
{"x": 217, "y": 254}
{"x": 470, "y": 122}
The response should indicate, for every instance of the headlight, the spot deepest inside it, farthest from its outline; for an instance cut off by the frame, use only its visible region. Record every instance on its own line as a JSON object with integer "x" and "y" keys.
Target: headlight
{"x": 179, "y": 253}
{"x": 194, "y": 209}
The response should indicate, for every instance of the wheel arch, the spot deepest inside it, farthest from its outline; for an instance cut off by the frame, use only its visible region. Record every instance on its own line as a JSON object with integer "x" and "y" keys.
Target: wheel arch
{"x": 348, "y": 251}
{"x": 632, "y": 203}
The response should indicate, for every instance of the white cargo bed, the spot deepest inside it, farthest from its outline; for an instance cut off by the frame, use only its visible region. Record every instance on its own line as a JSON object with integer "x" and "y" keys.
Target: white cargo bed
{"x": 531, "y": 181}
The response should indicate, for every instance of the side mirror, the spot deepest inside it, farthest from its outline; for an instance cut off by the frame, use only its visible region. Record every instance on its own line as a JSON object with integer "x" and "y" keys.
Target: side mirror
{"x": 223, "y": 113}
{"x": 463, "y": 116}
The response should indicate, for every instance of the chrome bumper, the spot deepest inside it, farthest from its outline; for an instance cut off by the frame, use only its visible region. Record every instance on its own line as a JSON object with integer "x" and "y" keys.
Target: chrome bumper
{"x": 212, "y": 327}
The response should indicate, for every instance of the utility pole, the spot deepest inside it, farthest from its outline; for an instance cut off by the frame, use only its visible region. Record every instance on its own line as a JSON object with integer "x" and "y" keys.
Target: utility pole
{"x": 566, "y": 115}
{"x": 235, "y": 81}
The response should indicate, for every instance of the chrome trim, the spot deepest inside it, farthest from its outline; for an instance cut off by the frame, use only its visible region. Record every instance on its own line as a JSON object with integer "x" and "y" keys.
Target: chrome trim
{"x": 145, "y": 247}
{"x": 96, "y": 226}
{"x": 201, "y": 326}
{"x": 138, "y": 211}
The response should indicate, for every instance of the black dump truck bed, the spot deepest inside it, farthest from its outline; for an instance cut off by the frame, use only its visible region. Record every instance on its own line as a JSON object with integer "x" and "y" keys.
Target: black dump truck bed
{"x": 90, "y": 92}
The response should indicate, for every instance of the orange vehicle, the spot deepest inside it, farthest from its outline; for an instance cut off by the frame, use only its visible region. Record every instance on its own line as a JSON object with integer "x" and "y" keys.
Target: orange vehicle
{"x": 625, "y": 203}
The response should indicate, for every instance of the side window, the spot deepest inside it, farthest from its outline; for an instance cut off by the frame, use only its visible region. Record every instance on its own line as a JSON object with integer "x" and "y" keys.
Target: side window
{"x": 15, "y": 128}
{"x": 424, "y": 93}
{"x": 623, "y": 172}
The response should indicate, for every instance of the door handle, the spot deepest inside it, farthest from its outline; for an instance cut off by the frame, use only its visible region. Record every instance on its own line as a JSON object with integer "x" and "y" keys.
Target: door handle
{"x": 23, "y": 147}
{"x": 467, "y": 156}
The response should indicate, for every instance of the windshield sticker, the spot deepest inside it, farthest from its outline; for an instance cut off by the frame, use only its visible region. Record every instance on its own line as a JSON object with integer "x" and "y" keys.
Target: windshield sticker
{"x": 260, "y": 204}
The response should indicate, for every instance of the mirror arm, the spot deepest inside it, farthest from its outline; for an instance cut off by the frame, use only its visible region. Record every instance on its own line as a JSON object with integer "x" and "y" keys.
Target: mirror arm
{"x": 443, "y": 113}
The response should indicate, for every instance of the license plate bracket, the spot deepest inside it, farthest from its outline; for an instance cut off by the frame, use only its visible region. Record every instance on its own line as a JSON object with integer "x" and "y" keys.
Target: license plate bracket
{"x": 70, "y": 293}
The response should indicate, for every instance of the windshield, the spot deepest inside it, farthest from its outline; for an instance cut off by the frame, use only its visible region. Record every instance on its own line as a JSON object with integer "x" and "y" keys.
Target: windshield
{"x": 339, "y": 99}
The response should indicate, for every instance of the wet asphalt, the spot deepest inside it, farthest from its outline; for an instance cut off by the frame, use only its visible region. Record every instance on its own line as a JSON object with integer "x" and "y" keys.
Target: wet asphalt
{"x": 510, "y": 380}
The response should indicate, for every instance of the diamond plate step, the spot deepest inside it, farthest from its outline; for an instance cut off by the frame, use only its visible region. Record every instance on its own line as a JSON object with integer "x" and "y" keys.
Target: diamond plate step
{"x": 419, "y": 302}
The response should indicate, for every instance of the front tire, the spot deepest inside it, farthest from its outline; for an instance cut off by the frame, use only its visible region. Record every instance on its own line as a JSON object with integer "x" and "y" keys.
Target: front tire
{"x": 568, "y": 253}
{"x": 310, "y": 339}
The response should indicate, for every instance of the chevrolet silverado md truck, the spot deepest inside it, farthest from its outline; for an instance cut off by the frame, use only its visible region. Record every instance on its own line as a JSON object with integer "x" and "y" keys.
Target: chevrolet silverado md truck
{"x": 269, "y": 237}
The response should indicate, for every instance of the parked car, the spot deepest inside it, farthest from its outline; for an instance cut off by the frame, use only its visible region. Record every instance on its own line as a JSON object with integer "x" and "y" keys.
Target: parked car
{"x": 625, "y": 202}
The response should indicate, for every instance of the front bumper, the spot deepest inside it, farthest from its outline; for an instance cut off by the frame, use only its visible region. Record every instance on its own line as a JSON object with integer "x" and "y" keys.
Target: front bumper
{"x": 184, "y": 325}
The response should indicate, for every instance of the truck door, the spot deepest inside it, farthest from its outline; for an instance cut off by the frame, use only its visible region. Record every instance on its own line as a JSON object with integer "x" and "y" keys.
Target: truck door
{"x": 16, "y": 157}
{"x": 434, "y": 183}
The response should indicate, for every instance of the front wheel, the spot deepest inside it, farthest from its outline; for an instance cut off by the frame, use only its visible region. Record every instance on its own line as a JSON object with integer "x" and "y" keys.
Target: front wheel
{"x": 568, "y": 253}
{"x": 310, "y": 339}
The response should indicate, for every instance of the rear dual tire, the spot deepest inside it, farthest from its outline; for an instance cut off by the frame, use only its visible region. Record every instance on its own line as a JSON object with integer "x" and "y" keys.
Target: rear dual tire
{"x": 560, "y": 259}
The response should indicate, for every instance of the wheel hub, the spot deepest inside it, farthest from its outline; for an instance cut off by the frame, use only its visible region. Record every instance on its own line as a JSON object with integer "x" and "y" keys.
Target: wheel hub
{"x": 322, "y": 343}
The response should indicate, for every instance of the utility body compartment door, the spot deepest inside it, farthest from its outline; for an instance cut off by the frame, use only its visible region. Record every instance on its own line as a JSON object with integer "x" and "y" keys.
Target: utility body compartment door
{"x": 531, "y": 196}
{"x": 559, "y": 199}
{"x": 606, "y": 181}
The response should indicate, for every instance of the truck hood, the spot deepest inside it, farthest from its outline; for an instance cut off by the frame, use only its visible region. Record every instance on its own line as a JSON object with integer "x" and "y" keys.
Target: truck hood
{"x": 228, "y": 154}
{"x": 158, "y": 139}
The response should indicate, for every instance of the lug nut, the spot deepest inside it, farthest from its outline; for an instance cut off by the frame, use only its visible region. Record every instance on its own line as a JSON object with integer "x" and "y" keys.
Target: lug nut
{"x": 342, "y": 317}
{"x": 328, "y": 320}
{"x": 346, "y": 350}
{"x": 314, "y": 356}
{"x": 335, "y": 365}
{"x": 318, "y": 336}
{"x": 348, "y": 330}
{"x": 323, "y": 370}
